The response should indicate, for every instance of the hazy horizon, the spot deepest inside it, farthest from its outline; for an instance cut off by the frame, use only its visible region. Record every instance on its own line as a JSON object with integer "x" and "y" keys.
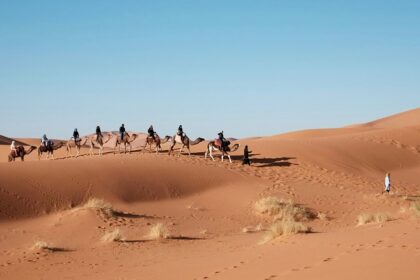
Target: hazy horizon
{"x": 250, "y": 69}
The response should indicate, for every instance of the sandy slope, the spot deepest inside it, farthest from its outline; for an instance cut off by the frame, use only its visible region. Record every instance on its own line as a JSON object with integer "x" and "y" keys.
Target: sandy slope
{"x": 205, "y": 204}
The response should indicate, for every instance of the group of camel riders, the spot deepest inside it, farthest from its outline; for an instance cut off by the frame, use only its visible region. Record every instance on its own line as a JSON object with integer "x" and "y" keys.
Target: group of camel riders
{"x": 76, "y": 137}
{"x": 220, "y": 141}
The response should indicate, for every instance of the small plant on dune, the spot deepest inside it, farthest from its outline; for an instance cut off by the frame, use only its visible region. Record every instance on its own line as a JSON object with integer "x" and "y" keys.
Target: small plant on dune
{"x": 112, "y": 236}
{"x": 287, "y": 217}
{"x": 158, "y": 231}
{"x": 281, "y": 209}
{"x": 284, "y": 228}
{"x": 258, "y": 228}
{"x": 322, "y": 216}
{"x": 40, "y": 245}
{"x": 415, "y": 207}
{"x": 367, "y": 218}
{"x": 101, "y": 206}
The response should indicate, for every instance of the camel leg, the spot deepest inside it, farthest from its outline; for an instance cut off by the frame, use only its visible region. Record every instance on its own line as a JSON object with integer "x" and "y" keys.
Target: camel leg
{"x": 171, "y": 148}
{"x": 230, "y": 160}
{"x": 223, "y": 156}
{"x": 211, "y": 153}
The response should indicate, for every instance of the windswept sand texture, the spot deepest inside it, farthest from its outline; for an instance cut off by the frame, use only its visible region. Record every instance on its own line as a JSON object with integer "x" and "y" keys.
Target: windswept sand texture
{"x": 208, "y": 225}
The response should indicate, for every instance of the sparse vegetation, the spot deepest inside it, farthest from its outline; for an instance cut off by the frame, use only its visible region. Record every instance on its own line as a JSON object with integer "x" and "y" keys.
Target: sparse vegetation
{"x": 258, "y": 228}
{"x": 112, "y": 236}
{"x": 158, "y": 231}
{"x": 40, "y": 245}
{"x": 288, "y": 217}
{"x": 284, "y": 228}
{"x": 415, "y": 207}
{"x": 322, "y": 216}
{"x": 101, "y": 206}
{"x": 367, "y": 218}
{"x": 281, "y": 209}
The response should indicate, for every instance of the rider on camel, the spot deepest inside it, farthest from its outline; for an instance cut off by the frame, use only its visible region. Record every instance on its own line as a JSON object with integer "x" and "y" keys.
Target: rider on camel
{"x": 98, "y": 133}
{"x": 76, "y": 136}
{"x": 181, "y": 132}
{"x": 222, "y": 140}
{"x": 122, "y": 132}
{"x": 13, "y": 148}
{"x": 44, "y": 140}
{"x": 152, "y": 132}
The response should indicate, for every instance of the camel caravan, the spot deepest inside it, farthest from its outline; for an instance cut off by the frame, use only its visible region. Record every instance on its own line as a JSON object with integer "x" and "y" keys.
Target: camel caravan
{"x": 123, "y": 139}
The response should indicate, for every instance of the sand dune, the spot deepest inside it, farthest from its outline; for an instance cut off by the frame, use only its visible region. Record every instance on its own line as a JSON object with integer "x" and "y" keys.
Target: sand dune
{"x": 335, "y": 174}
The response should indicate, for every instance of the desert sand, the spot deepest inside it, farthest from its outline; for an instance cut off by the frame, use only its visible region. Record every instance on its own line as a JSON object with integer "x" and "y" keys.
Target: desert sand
{"x": 54, "y": 214}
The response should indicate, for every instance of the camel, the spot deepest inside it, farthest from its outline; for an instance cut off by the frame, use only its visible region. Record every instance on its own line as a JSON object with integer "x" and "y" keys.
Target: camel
{"x": 127, "y": 140}
{"x": 49, "y": 149}
{"x": 217, "y": 146}
{"x": 185, "y": 142}
{"x": 99, "y": 141}
{"x": 20, "y": 152}
{"x": 157, "y": 141}
{"x": 72, "y": 143}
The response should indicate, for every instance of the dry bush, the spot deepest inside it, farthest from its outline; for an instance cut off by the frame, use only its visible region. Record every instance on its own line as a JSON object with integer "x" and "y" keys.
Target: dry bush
{"x": 281, "y": 209}
{"x": 100, "y": 205}
{"x": 258, "y": 228}
{"x": 322, "y": 216}
{"x": 158, "y": 231}
{"x": 284, "y": 228}
{"x": 113, "y": 236}
{"x": 415, "y": 207}
{"x": 40, "y": 245}
{"x": 378, "y": 218}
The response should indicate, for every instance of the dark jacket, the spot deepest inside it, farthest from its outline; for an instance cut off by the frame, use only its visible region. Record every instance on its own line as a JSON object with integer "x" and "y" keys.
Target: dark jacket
{"x": 76, "y": 134}
{"x": 122, "y": 129}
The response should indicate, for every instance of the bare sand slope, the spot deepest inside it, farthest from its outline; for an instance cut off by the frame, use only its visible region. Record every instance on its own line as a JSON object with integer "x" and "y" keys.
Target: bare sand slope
{"x": 334, "y": 175}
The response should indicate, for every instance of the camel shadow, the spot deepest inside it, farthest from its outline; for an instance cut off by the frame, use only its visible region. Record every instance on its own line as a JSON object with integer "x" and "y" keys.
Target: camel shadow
{"x": 135, "y": 241}
{"x": 185, "y": 238}
{"x": 59, "y": 250}
{"x": 121, "y": 214}
{"x": 273, "y": 162}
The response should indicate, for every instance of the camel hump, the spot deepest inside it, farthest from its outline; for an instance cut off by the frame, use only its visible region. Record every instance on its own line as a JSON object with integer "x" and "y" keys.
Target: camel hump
{"x": 218, "y": 142}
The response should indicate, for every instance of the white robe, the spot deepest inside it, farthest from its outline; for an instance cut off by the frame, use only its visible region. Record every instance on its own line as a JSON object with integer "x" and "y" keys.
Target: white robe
{"x": 387, "y": 183}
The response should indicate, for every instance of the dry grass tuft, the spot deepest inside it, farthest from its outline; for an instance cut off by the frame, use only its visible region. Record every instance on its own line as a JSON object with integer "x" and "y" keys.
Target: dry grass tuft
{"x": 322, "y": 216}
{"x": 258, "y": 228}
{"x": 281, "y": 209}
{"x": 100, "y": 205}
{"x": 415, "y": 207}
{"x": 113, "y": 236}
{"x": 40, "y": 245}
{"x": 284, "y": 228}
{"x": 158, "y": 231}
{"x": 378, "y": 218}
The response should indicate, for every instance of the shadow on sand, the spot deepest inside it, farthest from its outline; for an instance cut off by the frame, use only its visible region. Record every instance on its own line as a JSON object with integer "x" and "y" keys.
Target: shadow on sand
{"x": 273, "y": 162}
{"x": 121, "y": 214}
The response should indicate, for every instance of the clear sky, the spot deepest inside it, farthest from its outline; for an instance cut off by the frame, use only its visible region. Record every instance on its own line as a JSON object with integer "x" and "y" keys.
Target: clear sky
{"x": 247, "y": 67}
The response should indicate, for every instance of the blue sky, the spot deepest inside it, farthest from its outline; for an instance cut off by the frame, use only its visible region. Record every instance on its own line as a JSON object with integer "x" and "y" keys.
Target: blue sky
{"x": 247, "y": 67}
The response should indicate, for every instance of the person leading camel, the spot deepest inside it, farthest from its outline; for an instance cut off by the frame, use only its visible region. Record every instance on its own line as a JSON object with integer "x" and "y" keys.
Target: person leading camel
{"x": 122, "y": 132}
{"x": 246, "y": 159}
{"x": 98, "y": 133}
{"x": 151, "y": 132}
